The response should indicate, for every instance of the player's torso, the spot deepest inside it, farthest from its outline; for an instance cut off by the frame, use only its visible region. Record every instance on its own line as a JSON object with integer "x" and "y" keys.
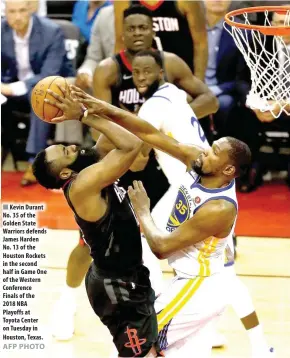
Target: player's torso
{"x": 171, "y": 28}
{"x": 206, "y": 257}
{"x": 181, "y": 125}
{"x": 114, "y": 240}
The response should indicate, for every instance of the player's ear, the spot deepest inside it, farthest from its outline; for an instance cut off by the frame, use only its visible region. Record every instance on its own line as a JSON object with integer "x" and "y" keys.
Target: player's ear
{"x": 229, "y": 170}
{"x": 65, "y": 173}
{"x": 161, "y": 74}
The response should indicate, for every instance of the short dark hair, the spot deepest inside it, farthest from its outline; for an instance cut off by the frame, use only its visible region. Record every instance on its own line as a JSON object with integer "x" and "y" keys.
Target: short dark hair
{"x": 137, "y": 9}
{"x": 240, "y": 155}
{"x": 42, "y": 171}
{"x": 151, "y": 53}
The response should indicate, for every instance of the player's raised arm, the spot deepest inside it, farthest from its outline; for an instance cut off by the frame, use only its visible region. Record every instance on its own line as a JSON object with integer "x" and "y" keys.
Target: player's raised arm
{"x": 114, "y": 164}
{"x": 214, "y": 218}
{"x": 142, "y": 129}
{"x": 114, "y": 161}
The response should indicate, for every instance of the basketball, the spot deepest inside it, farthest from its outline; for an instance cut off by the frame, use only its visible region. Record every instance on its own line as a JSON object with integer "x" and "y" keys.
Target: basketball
{"x": 43, "y": 110}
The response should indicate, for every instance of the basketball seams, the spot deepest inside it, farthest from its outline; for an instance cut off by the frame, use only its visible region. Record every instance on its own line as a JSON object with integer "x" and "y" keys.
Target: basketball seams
{"x": 60, "y": 110}
{"x": 45, "y": 98}
{"x": 48, "y": 87}
{"x": 58, "y": 113}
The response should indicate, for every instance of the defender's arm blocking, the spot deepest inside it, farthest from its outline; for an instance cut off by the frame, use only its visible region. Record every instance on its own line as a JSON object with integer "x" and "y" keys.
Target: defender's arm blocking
{"x": 214, "y": 218}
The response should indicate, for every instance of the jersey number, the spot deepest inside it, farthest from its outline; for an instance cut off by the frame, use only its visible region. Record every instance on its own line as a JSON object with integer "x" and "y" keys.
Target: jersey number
{"x": 181, "y": 207}
{"x": 195, "y": 122}
{"x": 158, "y": 43}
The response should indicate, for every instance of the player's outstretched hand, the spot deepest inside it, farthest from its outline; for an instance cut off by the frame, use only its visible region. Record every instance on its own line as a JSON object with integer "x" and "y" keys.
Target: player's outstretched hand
{"x": 139, "y": 198}
{"x": 71, "y": 108}
{"x": 78, "y": 93}
{"x": 94, "y": 105}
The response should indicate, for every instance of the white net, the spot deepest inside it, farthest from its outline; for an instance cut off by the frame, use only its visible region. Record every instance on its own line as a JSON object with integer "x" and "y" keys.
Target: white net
{"x": 268, "y": 58}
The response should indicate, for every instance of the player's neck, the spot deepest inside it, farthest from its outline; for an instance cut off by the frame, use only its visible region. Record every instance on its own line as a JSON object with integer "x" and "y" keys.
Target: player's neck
{"x": 212, "y": 182}
{"x": 129, "y": 56}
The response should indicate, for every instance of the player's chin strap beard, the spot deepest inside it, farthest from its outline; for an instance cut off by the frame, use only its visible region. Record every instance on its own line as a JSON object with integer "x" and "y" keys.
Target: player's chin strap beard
{"x": 151, "y": 89}
{"x": 197, "y": 168}
{"x": 85, "y": 158}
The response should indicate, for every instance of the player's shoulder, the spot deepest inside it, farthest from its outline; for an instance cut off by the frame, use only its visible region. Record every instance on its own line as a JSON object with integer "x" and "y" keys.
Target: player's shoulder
{"x": 164, "y": 88}
{"x": 108, "y": 69}
{"x": 161, "y": 97}
{"x": 220, "y": 206}
{"x": 108, "y": 62}
{"x": 171, "y": 59}
{"x": 174, "y": 66}
{"x": 171, "y": 92}
{"x": 160, "y": 103}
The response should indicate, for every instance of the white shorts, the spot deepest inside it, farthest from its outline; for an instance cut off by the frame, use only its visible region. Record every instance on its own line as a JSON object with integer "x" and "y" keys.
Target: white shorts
{"x": 185, "y": 312}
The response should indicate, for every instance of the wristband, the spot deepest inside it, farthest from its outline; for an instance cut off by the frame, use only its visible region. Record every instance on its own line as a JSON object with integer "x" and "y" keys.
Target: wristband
{"x": 84, "y": 114}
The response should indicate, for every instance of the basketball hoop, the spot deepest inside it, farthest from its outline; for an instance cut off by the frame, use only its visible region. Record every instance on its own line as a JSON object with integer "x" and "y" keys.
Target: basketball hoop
{"x": 270, "y": 70}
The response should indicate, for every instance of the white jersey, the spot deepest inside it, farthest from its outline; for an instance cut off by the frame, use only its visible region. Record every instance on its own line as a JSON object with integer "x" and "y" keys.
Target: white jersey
{"x": 168, "y": 111}
{"x": 205, "y": 257}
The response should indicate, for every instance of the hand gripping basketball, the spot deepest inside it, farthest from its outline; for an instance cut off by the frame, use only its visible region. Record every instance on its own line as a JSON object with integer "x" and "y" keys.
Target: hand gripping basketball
{"x": 71, "y": 108}
{"x": 51, "y": 101}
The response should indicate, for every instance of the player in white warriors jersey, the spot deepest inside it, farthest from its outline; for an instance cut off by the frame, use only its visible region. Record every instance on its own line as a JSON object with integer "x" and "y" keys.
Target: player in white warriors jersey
{"x": 166, "y": 109}
{"x": 204, "y": 258}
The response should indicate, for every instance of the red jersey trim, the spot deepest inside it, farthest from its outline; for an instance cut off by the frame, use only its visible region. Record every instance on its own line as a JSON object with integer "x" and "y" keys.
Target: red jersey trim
{"x": 66, "y": 183}
{"x": 152, "y": 7}
{"x": 125, "y": 61}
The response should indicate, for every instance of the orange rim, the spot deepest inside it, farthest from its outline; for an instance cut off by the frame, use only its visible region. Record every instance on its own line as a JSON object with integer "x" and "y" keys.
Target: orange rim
{"x": 266, "y": 30}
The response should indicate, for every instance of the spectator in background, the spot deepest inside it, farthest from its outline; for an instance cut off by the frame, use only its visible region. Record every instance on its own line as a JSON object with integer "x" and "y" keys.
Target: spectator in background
{"x": 179, "y": 28}
{"x": 32, "y": 48}
{"x": 36, "y": 6}
{"x": 101, "y": 46}
{"x": 226, "y": 71}
{"x": 84, "y": 15}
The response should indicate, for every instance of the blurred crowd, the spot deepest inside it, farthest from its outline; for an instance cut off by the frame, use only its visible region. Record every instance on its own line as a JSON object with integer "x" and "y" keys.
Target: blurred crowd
{"x": 80, "y": 39}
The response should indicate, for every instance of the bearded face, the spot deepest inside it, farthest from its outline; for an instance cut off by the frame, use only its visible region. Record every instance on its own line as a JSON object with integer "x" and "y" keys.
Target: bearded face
{"x": 85, "y": 158}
